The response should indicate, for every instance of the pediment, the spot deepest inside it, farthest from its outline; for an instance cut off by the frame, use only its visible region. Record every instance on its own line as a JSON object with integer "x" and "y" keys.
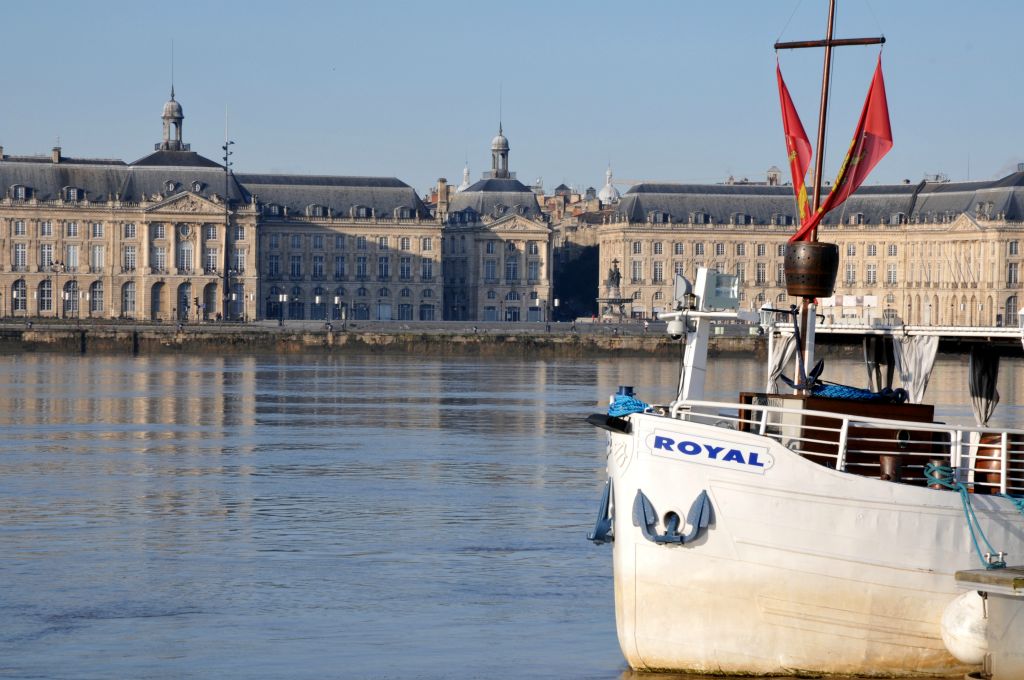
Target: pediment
{"x": 186, "y": 202}
{"x": 964, "y": 223}
{"x": 519, "y": 224}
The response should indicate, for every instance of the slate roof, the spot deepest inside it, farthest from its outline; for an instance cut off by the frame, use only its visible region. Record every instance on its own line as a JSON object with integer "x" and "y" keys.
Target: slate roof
{"x": 166, "y": 158}
{"x": 486, "y": 194}
{"x": 338, "y": 193}
{"x": 926, "y": 201}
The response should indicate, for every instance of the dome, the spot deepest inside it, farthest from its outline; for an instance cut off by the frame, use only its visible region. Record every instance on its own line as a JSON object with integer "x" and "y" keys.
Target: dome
{"x": 608, "y": 193}
{"x": 172, "y": 109}
{"x": 499, "y": 143}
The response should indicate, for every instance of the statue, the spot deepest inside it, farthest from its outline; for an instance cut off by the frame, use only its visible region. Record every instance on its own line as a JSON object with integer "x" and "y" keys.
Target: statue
{"x": 614, "y": 275}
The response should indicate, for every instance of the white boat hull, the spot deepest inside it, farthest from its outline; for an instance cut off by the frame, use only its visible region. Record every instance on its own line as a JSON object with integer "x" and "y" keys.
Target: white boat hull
{"x": 801, "y": 569}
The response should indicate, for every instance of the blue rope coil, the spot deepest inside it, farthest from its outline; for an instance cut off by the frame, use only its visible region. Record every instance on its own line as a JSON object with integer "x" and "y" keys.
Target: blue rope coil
{"x": 623, "y": 406}
{"x": 943, "y": 474}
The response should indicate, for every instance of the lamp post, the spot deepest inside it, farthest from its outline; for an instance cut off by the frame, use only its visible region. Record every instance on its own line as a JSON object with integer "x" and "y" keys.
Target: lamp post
{"x": 337, "y": 307}
{"x": 316, "y": 300}
{"x": 227, "y": 221}
{"x": 281, "y": 300}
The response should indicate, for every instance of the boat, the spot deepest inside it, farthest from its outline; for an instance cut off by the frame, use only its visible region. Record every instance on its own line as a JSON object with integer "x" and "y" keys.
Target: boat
{"x": 830, "y": 530}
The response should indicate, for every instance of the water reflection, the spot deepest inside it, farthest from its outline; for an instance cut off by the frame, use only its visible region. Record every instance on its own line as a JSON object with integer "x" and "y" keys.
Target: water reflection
{"x": 367, "y": 516}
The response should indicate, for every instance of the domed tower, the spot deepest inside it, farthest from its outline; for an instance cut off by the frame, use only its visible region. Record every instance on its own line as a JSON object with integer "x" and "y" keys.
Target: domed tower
{"x": 172, "y": 117}
{"x": 608, "y": 193}
{"x": 465, "y": 178}
{"x": 499, "y": 155}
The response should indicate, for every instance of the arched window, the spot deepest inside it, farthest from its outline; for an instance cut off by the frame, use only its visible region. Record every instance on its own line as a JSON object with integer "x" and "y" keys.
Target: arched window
{"x": 19, "y": 294}
{"x": 45, "y": 292}
{"x": 406, "y": 293}
{"x": 128, "y": 299}
{"x": 96, "y": 297}
{"x": 383, "y": 292}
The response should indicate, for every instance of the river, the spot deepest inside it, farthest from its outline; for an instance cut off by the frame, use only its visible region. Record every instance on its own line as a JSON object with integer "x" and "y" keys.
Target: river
{"x": 337, "y": 516}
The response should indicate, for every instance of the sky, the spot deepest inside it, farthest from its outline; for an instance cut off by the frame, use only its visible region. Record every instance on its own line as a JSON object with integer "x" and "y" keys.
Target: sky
{"x": 668, "y": 90}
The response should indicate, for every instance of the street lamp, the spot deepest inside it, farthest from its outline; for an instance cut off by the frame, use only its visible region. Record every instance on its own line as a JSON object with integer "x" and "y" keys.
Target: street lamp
{"x": 227, "y": 218}
{"x": 316, "y": 301}
{"x": 281, "y": 300}
{"x": 337, "y": 306}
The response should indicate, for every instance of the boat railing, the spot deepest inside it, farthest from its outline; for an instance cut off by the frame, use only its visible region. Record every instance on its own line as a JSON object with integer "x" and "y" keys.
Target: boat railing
{"x": 898, "y": 450}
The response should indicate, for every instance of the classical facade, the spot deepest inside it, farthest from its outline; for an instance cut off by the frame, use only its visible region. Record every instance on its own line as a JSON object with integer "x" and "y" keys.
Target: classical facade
{"x": 497, "y": 247}
{"x": 939, "y": 253}
{"x": 173, "y": 236}
{"x": 170, "y": 236}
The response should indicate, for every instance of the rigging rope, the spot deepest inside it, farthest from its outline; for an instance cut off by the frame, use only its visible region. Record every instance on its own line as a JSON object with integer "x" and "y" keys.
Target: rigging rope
{"x": 623, "y": 406}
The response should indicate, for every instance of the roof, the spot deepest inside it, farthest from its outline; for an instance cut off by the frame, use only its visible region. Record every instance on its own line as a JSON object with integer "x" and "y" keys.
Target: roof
{"x": 384, "y": 195}
{"x": 487, "y": 195}
{"x": 183, "y": 159}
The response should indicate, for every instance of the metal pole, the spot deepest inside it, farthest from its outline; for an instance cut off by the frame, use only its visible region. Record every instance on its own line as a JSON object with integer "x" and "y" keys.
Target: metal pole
{"x": 822, "y": 114}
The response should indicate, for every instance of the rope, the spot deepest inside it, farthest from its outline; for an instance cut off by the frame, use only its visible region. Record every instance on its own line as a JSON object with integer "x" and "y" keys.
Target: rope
{"x": 623, "y": 406}
{"x": 1018, "y": 502}
{"x": 943, "y": 474}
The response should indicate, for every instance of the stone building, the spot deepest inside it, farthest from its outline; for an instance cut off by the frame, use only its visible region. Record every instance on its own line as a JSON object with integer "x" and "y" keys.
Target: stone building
{"x": 497, "y": 247}
{"x": 100, "y": 238}
{"x": 943, "y": 253}
{"x": 172, "y": 236}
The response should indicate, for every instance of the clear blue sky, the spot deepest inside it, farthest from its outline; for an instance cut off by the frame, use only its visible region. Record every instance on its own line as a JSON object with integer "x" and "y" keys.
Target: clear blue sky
{"x": 664, "y": 89}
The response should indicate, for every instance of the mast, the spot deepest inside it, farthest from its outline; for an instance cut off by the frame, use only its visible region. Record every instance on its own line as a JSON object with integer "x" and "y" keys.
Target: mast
{"x": 821, "y": 254}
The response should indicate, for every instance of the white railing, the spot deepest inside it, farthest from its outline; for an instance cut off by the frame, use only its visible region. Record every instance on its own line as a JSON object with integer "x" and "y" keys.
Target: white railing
{"x": 857, "y": 444}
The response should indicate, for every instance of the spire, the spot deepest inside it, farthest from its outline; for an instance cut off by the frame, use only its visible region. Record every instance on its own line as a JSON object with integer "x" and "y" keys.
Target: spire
{"x": 499, "y": 155}
{"x": 173, "y": 118}
{"x": 465, "y": 179}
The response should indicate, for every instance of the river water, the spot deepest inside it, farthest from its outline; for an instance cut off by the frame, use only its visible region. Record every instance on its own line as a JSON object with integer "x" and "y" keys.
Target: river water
{"x": 347, "y": 516}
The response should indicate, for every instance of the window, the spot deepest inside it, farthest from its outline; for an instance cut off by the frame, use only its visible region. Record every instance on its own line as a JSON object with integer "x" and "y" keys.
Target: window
{"x": 210, "y": 260}
{"x": 658, "y": 275}
{"x": 383, "y": 267}
{"x": 19, "y": 294}
{"x": 46, "y": 296}
{"x": 405, "y": 292}
{"x": 427, "y": 270}
{"x": 532, "y": 248}
{"x": 890, "y": 274}
{"x": 698, "y": 248}
{"x": 96, "y": 297}
{"x": 851, "y": 273}
{"x": 678, "y": 269}
{"x": 891, "y": 250}
{"x": 96, "y": 258}
{"x": 761, "y": 274}
{"x": 872, "y": 250}
{"x": 872, "y": 274}
{"x": 491, "y": 248}
{"x": 851, "y": 249}
{"x": 383, "y": 292}
{"x": 275, "y": 241}
{"x": 511, "y": 268}
{"x": 780, "y": 250}
{"x": 658, "y": 248}
{"x": 46, "y": 228}
{"x": 636, "y": 271}
{"x": 159, "y": 259}
{"x": 19, "y": 227}
{"x": 158, "y": 231}
{"x": 71, "y": 194}
{"x": 128, "y": 258}
{"x": 239, "y": 232}
{"x": 677, "y": 248}
{"x": 741, "y": 249}
{"x": 741, "y": 273}
{"x": 20, "y": 257}
{"x": 1012, "y": 273}
{"x": 360, "y": 243}
{"x": 405, "y": 268}
{"x": 638, "y": 248}
{"x": 274, "y": 266}
{"x": 1014, "y": 247}
{"x": 339, "y": 242}
{"x": 210, "y": 232}
{"x": 490, "y": 270}
{"x": 780, "y": 274}
{"x": 426, "y": 244}
{"x": 404, "y": 243}
{"x": 184, "y": 261}
{"x": 361, "y": 267}
{"x": 295, "y": 266}
{"x": 533, "y": 270}
{"x": 318, "y": 241}
{"x": 719, "y": 249}
{"x": 128, "y": 230}
{"x": 762, "y": 250}
{"x": 19, "y": 192}
{"x": 339, "y": 267}
{"x": 318, "y": 267}
{"x": 96, "y": 230}
{"x": 296, "y": 241}
{"x": 382, "y": 243}
{"x": 491, "y": 295}
{"x": 238, "y": 260}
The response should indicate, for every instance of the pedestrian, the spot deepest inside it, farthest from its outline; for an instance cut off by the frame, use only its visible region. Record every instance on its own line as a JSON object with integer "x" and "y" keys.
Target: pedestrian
{"x": 646, "y": 325}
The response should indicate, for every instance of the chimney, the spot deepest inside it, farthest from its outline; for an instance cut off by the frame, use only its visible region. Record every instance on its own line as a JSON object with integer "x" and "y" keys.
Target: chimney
{"x": 56, "y": 154}
{"x": 442, "y": 198}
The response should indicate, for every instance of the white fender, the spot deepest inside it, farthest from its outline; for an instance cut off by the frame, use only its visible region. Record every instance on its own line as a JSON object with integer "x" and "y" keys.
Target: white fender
{"x": 964, "y": 628}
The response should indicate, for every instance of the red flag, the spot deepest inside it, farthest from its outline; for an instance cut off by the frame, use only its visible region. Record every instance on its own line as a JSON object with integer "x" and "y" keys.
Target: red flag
{"x": 871, "y": 142}
{"x": 798, "y": 147}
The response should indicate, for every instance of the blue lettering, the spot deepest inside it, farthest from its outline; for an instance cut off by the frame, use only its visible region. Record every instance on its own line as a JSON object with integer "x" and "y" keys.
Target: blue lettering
{"x": 736, "y": 456}
{"x": 663, "y": 443}
{"x": 689, "y": 448}
{"x": 754, "y": 460}
{"x": 713, "y": 451}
